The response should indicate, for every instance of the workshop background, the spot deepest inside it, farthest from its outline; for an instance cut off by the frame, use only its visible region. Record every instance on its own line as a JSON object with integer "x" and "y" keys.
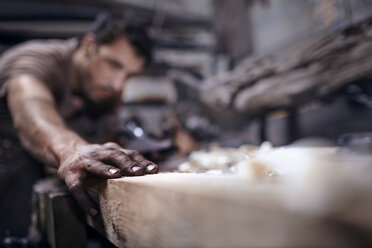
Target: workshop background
{"x": 231, "y": 72}
{"x": 202, "y": 49}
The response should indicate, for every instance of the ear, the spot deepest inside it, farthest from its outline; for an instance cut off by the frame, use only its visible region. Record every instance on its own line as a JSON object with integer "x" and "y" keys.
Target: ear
{"x": 87, "y": 43}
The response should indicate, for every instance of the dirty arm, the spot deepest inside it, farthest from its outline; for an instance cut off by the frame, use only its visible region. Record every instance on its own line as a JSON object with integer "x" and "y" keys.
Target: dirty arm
{"x": 44, "y": 134}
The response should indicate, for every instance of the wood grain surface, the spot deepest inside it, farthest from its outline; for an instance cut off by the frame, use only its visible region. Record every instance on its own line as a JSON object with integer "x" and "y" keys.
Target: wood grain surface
{"x": 202, "y": 210}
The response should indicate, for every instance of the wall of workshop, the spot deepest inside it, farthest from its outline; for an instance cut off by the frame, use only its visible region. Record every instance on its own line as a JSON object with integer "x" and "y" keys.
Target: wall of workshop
{"x": 198, "y": 8}
{"x": 276, "y": 25}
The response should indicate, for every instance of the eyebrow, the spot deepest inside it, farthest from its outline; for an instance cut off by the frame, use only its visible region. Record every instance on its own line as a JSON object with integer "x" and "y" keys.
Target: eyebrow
{"x": 112, "y": 59}
{"x": 115, "y": 62}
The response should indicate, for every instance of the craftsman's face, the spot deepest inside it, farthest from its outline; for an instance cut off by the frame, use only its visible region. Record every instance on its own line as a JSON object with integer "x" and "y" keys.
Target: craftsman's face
{"x": 108, "y": 67}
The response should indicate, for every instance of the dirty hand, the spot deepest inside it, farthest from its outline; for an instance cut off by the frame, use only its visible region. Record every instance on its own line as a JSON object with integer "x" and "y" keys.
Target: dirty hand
{"x": 106, "y": 161}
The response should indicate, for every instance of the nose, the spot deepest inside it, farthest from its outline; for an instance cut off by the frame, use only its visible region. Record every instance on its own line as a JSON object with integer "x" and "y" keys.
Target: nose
{"x": 119, "y": 80}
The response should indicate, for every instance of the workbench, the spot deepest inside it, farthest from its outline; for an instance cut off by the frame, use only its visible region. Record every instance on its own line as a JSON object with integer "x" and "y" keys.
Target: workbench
{"x": 224, "y": 210}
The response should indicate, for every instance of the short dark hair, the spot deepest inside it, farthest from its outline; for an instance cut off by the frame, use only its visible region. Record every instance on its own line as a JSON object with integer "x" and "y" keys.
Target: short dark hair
{"x": 109, "y": 26}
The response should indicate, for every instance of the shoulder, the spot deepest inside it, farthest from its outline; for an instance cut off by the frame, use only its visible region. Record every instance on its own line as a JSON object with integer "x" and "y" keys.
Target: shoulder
{"x": 46, "y": 60}
{"x": 41, "y": 47}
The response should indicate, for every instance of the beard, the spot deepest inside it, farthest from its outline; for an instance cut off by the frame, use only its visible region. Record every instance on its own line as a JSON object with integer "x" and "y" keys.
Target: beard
{"x": 95, "y": 107}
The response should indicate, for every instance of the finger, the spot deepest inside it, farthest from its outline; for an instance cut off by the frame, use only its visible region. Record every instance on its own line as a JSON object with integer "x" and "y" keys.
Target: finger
{"x": 150, "y": 167}
{"x": 130, "y": 168}
{"x": 75, "y": 186}
{"x": 112, "y": 146}
{"x": 119, "y": 159}
{"x": 102, "y": 170}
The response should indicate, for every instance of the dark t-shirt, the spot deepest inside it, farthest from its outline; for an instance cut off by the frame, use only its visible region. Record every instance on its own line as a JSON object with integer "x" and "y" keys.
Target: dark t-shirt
{"x": 50, "y": 62}
{"x": 47, "y": 60}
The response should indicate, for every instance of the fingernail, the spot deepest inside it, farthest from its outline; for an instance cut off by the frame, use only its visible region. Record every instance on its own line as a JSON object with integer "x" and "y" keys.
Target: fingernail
{"x": 113, "y": 171}
{"x": 150, "y": 167}
{"x": 135, "y": 168}
{"x": 93, "y": 212}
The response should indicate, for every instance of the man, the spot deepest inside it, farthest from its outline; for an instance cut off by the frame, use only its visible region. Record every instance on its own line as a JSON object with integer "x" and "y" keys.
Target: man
{"x": 44, "y": 83}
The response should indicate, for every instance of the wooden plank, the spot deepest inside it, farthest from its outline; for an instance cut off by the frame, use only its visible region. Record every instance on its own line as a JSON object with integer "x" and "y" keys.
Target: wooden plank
{"x": 38, "y": 231}
{"x": 65, "y": 225}
{"x": 57, "y": 221}
{"x": 201, "y": 210}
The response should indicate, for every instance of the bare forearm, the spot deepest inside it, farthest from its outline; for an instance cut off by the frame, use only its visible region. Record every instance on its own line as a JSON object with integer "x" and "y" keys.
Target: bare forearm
{"x": 43, "y": 133}
{"x": 48, "y": 140}
{"x": 38, "y": 123}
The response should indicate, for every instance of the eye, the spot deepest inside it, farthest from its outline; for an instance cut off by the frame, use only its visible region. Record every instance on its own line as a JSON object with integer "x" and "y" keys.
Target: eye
{"x": 114, "y": 64}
